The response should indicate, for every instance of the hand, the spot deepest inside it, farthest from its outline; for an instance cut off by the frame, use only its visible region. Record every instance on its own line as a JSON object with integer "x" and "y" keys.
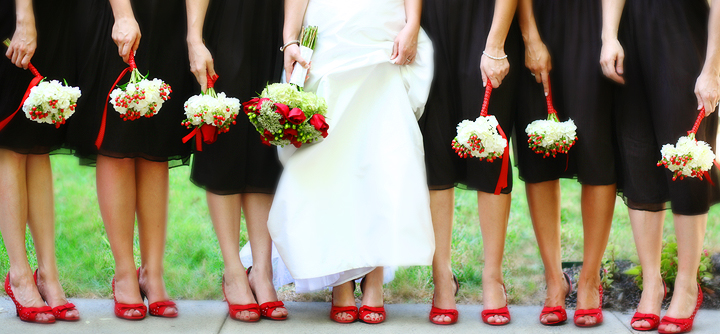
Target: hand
{"x": 537, "y": 60}
{"x": 611, "y": 60}
{"x": 494, "y": 70}
{"x": 23, "y": 44}
{"x": 707, "y": 91}
{"x": 126, "y": 34}
{"x": 405, "y": 46}
{"x": 292, "y": 56}
{"x": 201, "y": 63}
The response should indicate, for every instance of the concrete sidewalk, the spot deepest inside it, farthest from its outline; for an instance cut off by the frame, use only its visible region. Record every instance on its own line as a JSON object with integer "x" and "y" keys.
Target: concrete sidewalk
{"x": 211, "y": 317}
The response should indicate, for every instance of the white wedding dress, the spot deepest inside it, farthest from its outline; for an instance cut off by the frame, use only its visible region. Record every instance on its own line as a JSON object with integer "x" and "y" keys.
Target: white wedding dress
{"x": 358, "y": 199}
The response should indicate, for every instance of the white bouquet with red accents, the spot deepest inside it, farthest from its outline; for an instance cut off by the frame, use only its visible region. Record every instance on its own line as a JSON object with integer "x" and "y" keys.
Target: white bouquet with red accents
{"x": 51, "y": 102}
{"x": 480, "y": 139}
{"x": 689, "y": 157}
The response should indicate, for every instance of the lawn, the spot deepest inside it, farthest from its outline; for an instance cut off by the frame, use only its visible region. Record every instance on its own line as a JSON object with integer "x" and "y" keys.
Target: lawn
{"x": 193, "y": 264}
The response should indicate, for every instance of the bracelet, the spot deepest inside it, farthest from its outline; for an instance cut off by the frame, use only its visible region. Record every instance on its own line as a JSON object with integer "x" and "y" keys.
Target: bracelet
{"x": 282, "y": 48}
{"x": 494, "y": 58}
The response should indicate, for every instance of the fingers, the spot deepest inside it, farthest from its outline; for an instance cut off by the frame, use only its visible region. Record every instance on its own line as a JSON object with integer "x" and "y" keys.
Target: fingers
{"x": 394, "y": 54}
{"x": 136, "y": 43}
{"x": 546, "y": 82}
{"x": 496, "y": 81}
{"x": 709, "y": 105}
{"x": 619, "y": 65}
{"x": 401, "y": 58}
{"x": 25, "y": 62}
{"x": 210, "y": 65}
{"x": 288, "y": 70}
{"x": 484, "y": 77}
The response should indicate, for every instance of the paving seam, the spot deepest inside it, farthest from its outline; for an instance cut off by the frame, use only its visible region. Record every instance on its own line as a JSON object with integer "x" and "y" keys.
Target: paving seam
{"x": 628, "y": 327}
{"x": 223, "y": 324}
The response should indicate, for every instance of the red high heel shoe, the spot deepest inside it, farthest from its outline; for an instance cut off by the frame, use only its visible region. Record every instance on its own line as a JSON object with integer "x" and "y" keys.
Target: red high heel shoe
{"x": 28, "y": 314}
{"x": 60, "y": 312}
{"x": 503, "y": 312}
{"x": 685, "y": 324}
{"x": 351, "y": 310}
{"x": 450, "y": 313}
{"x": 559, "y": 311}
{"x": 157, "y": 309}
{"x": 595, "y": 312}
{"x": 652, "y": 319}
{"x": 120, "y": 308}
{"x": 366, "y": 310}
{"x": 234, "y": 309}
{"x": 267, "y": 309}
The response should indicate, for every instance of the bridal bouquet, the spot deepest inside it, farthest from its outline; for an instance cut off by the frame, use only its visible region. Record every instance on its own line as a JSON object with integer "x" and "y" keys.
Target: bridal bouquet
{"x": 210, "y": 113}
{"x": 140, "y": 96}
{"x": 284, "y": 115}
{"x": 51, "y": 102}
{"x": 550, "y": 136}
{"x": 308, "y": 37}
{"x": 689, "y": 157}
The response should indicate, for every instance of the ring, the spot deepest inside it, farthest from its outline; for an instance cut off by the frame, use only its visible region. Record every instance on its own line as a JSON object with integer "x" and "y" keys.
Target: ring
{"x": 407, "y": 59}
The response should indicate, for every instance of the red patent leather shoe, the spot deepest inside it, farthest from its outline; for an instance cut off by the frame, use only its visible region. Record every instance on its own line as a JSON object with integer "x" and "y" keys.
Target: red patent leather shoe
{"x": 685, "y": 324}
{"x": 28, "y": 314}
{"x": 60, "y": 312}
{"x": 450, "y": 313}
{"x": 559, "y": 311}
{"x": 595, "y": 312}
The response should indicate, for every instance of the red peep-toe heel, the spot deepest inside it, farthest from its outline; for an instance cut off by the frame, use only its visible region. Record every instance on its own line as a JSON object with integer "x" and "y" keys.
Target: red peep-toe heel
{"x": 121, "y": 309}
{"x": 60, "y": 312}
{"x": 234, "y": 309}
{"x": 267, "y": 309}
{"x": 652, "y": 319}
{"x": 351, "y": 310}
{"x": 559, "y": 311}
{"x": 450, "y": 313}
{"x": 28, "y": 314}
{"x": 503, "y": 312}
{"x": 366, "y": 310}
{"x": 157, "y": 309}
{"x": 595, "y": 312}
{"x": 685, "y": 324}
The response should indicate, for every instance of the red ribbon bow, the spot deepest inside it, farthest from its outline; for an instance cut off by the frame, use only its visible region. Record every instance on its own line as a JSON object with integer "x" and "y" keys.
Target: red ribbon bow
{"x": 101, "y": 133}
{"x": 36, "y": 80}
{"x": 206, "y": 133}
{"x": 502, "y": 180}
{"x": 694, "y": 131}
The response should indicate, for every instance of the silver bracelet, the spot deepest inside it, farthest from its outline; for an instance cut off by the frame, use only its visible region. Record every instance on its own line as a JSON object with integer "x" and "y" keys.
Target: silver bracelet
{"x": 282, "y": 48}
{"x": 494, "y": 58}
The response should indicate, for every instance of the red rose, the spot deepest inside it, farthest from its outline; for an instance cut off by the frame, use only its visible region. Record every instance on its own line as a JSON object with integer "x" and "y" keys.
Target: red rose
{"x": 291, "y": 132}
{"x": 269, "y": 135}
{"x": 253, "y": 105}
{"x": 282, "y": 109}
{"x": 318, "y": 121}
{"x": 296, "y": 116}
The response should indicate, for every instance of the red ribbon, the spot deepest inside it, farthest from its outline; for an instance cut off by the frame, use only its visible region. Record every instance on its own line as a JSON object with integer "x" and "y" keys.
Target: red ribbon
{"x": 101, "y": 133}
{"x": 36, "y": 80}
{"x": 502, "y": 180}
{"x": 699, "y": 119}
{"x": 552, "y": 110}
{"x": 211, "y": 80}
{"x": 206, "y": 133}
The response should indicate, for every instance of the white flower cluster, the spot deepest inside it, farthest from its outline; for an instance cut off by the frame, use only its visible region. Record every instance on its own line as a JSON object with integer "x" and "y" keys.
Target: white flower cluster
{"x": 688, "y": 158}
{"x": 481, "y": 137}
{"x": 552, "y": 132}
{"x": 51, "y": 102}
{"x": 219, "y": 111}
{"x": 137, "y": 99}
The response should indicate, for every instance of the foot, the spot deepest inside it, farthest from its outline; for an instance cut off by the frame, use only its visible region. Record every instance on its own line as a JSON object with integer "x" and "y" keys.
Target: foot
{"x": 557, "y": 290}
{"x": 494, "y": 297}
{"x": 49, "y": 287}
{"x": 237, "y": 292}
{"x": 344, "y": 295}
{"x": 373, "y": 296}
{"x": 127, "y": 291}
{"x": 682, "y": 305}
{"x": 26, "y": 293}
{"x": 152, "y": 284}
{"x": 650, "y": 301}
{"x": 587, "y": 298}
{"x": 444, "y": 295}
{"x": 262, "y": 286}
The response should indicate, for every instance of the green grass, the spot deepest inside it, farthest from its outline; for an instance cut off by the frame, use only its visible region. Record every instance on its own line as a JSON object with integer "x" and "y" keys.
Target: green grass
{"x": 193, "y": 264}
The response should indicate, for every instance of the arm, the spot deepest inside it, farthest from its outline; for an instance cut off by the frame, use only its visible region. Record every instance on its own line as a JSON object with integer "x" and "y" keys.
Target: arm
{"x": 405, "y": 46}
{"x": 294, "y": 14}
{"x": 491, "y": 69}
{"x": 537, "y": 57}
{"x": 125, "y": 32}
{"x": 612, "y": 54}
{"x": 201, "y": 61}
{"x": 24, "y": 40}
{"x": 707, "y": 87}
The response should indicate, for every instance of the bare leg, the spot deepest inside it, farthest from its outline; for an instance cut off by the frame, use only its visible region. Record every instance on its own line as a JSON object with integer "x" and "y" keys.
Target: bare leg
{"x": 544, "y": 203}
{"x": 494, "y": 211}
{"x": 598, "y": 203}
{"x": 257, "y": 208}
{"x": 373, "y": 293}
{"x": 116, "y": 196}
{"x": 13, "y": 217}
{"x": 344, "y": 295}
{"x": 648, "y": 231}
{"x": 690, "y": 232}
{"x": 226, "y": 214}
{"x": 442, "y": 206}
{"x": 41, "y": 220}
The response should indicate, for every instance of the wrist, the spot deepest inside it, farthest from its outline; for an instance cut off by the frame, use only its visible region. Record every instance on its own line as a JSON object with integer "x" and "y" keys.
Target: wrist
{"x": 494, "y": 50}
{"x": 711, "y": 69}
{"x": 609, "y": 36}
{"x": 194, "y": 39}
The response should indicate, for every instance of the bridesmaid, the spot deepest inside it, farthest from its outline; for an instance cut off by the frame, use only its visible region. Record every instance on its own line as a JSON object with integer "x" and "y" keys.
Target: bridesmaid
{"x": 569, "y": 31}
{"x": 25, "y": 171}
{"x": 469, "y": 37}
{"x": 239, "y": 172}
{"x": 133, "y": 159}
{"x": 657, "y": 106}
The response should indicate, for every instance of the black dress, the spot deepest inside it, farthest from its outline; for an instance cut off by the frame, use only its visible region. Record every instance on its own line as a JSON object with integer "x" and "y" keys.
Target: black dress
{"x": 162, "y": 53}
{"x": 458, "y": 30}
{"x": 54, "y": 58}
{"x": 244, "y": 37}
{"x": 665, "y": 43}
{"x": 571, "y": 31}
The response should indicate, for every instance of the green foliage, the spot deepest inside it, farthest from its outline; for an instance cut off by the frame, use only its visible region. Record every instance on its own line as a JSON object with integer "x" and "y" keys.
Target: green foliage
{"x": 609, "y": 267}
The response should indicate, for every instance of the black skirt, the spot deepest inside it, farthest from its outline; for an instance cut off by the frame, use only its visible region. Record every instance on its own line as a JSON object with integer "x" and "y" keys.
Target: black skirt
{"x": 571, "y": 31}
{"x": 458, "y": 30}
{"x": 54, "y": 58}
{"x": 665, "y": 43}
{"x": 244, "y": 37}
{"x": 162, "y": 53}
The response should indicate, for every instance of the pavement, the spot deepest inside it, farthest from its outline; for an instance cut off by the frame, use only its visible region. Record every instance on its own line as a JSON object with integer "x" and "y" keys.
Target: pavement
{"x": 211, "y": 317}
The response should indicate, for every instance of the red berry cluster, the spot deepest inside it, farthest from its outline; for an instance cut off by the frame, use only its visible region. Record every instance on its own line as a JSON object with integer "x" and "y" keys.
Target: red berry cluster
{"x": 475, "y": 145}
{"x": 560, "y": 147}
{"x": 681, "y": 160}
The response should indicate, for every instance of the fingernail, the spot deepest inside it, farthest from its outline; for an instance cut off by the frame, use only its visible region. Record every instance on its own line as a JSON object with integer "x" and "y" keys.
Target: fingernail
{"x": 546, "y": 94}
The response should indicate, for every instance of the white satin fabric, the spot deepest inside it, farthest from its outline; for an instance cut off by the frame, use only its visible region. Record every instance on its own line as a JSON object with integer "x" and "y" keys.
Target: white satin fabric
{"x": 358, "y": 199}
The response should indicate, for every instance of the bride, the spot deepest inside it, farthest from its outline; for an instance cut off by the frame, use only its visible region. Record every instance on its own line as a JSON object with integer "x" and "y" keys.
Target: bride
{"x": 357, "y": 201}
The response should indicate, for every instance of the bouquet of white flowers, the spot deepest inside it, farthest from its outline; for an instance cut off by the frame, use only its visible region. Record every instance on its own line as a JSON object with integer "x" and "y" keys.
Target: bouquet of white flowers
{"x": 550, "y": 136}
{"x": 689, "y": 157}
{"x": 210, "y": 113}
{"x": 140, "y": 96}
{"x": 51, "y": 102}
